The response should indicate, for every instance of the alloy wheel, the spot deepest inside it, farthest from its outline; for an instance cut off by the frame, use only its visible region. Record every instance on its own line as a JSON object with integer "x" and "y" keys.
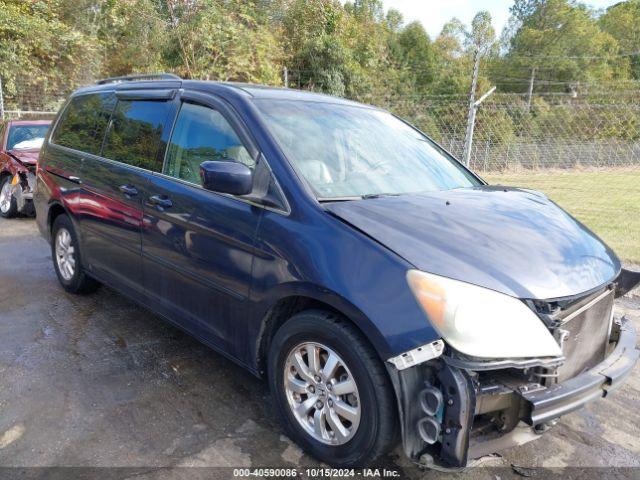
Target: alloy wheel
{"x": 322, "y": 393}
{"x": 65, "y": 254}
{"x": 5, "y": 197}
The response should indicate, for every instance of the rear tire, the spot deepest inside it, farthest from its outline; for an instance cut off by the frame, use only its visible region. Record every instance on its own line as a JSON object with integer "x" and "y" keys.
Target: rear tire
{"x": 343, "y": 430}
{"x": 8, "y": 204}
{"x": 67, "y": 259}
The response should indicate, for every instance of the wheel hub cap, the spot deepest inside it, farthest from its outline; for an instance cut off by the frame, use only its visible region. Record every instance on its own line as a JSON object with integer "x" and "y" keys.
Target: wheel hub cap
{"x": 322, "y": 393}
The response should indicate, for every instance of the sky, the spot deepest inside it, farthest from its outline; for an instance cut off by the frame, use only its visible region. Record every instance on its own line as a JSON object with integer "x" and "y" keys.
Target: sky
{"x": 435, "y": 13}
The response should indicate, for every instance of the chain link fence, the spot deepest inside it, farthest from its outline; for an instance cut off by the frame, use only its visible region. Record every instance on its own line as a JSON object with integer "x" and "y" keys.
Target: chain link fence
{"x": 29, "y": 99}
{"x": 582, "y": 151}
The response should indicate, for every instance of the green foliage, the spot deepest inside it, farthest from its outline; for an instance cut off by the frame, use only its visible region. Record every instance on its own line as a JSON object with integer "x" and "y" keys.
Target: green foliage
{"x": 222, "y": 40}
{"x": 622, "y": 22}
{"x": 36, "y": 46}
{"x": 416, "y": 54}
{"x": 132, "y": 36}
{"x": 562, "y": 40}
{"x": 353, "y": 49}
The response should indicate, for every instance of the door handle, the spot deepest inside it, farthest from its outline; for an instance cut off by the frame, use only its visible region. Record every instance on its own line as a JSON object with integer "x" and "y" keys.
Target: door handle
{"x": 128, "y": 190}
{"x": 74, "y": 179}
{"x": 160, "y": 202}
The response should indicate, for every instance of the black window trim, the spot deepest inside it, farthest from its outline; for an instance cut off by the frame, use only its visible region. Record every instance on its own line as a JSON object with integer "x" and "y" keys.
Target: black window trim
{"x": 227, "y": 112}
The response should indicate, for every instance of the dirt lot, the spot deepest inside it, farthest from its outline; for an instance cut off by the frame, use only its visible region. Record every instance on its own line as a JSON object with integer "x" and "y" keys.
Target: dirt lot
{"x": 98, "y": 382}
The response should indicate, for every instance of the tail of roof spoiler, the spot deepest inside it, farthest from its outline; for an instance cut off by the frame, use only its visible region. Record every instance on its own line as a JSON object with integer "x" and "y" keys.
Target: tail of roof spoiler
{"x": 626, "y": 281}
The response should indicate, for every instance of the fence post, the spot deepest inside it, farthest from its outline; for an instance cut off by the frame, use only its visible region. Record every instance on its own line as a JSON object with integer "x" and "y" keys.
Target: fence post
{"x": 471, "y": 116}
{"x": 1, "y": 101}
{"x": 530, "y": 93}
{"x": 285, "y": 75}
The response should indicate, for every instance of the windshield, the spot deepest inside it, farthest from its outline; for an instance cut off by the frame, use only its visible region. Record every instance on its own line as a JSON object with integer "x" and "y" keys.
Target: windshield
{"x": 26, "y": 136}
{"x": 350, "y": 151}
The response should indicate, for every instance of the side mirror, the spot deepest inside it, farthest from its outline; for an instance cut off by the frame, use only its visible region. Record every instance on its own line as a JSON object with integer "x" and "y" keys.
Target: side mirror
{"x": 226, "y": 177}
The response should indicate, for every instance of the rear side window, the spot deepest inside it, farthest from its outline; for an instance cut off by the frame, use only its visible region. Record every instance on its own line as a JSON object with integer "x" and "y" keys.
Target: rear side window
{"x": 84, "y": 122}
{"x": 137, "y": 132}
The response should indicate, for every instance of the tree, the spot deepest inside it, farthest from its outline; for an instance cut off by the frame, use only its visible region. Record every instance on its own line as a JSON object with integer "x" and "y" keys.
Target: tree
{"x": 38, "y": 48}
{"x": 416, "y": 54}
{"x": 394, "y": 20}
{"x": 321, "y": 45}
{"x": 562, "y": 40}
{"x": 482, "y": 35}
{"x": 622, "y": 22}
{"x": 221, "y": 40}
{"x": 133, "y": 36}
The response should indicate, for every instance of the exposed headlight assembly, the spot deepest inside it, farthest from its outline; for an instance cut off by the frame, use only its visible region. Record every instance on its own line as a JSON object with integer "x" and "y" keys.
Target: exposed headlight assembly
{"x": 480, "y": 322}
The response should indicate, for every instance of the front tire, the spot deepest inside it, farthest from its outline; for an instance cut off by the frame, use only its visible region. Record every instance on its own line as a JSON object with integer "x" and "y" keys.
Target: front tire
{"x": 8, "y": 204}
{"x": 67, "y": 260}
{"x": 331, "y": 390}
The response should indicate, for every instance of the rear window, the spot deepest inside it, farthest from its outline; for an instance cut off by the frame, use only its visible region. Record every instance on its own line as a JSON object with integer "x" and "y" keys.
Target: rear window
{"x": 137, "y": 133}
{"x": 84, "y": 122}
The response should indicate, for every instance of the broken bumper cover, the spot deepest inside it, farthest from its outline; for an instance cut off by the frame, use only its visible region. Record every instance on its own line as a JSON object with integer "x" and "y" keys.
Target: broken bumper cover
{"x": 457, "y": 416}
{"x": 597, "y": 382}
{"x": 22, "y": 191}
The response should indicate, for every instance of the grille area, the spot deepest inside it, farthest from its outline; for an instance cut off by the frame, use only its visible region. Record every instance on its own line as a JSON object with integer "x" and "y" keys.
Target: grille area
{"x": 584, "y": 332}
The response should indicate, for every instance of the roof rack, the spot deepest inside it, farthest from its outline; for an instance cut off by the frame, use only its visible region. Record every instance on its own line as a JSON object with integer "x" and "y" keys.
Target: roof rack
{"x": 134, "y": 78}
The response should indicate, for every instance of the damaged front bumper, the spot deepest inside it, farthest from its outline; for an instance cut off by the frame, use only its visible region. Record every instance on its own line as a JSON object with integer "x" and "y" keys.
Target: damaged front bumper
{"x": 22, "y": 190}
{"x": 451, "y": 413}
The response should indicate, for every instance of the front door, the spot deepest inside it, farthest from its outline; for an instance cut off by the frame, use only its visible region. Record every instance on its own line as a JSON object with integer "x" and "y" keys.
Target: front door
{"x": 198, "y": 245}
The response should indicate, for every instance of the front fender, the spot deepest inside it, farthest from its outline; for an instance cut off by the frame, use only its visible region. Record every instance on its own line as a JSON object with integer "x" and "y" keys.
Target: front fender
{"x": 322, "y": 258}
{"x": 334, "y": 300}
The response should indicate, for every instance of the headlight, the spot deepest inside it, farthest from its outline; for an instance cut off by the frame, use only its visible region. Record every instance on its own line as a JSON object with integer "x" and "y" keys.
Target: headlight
{"x": 480, "y": 322}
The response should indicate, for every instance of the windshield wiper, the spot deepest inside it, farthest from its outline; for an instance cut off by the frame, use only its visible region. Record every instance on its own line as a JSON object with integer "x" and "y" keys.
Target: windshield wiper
{"x": 367, "y": 196}
{"x": 379, "y": 195}
{"x": 338, "y": 199}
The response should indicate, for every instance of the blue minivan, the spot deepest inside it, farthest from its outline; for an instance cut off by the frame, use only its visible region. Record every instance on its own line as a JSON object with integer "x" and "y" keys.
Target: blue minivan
{"x": 385, "y": 292}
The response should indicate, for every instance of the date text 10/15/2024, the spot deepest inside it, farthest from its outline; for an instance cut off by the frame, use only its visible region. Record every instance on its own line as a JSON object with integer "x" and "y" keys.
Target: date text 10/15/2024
{"x": 316, "y": 472}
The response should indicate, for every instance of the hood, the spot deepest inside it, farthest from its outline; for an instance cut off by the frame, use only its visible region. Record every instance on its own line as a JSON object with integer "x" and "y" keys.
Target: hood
{"x": 511, "y": 240}
{"x": 26, "y": 156}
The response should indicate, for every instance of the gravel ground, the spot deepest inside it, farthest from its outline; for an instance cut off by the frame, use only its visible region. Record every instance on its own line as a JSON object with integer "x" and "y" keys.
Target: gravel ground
{"x": 97, "y": 381}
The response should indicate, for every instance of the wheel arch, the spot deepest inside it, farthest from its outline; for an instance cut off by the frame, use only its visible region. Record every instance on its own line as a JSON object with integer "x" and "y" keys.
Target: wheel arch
{"x": 55, "y": 210}
{"x": 286, "y": 306}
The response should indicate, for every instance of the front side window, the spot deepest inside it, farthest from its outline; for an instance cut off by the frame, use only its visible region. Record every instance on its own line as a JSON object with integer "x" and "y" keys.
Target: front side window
{"x": 202, "y": 134}
{"x": 136, "y": 133}
{"x": 84, "y": 122}
{"x": 351, "y": 151}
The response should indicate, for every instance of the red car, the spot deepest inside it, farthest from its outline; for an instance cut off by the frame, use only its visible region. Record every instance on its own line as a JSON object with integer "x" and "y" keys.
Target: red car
{"x": 20, "y": 143}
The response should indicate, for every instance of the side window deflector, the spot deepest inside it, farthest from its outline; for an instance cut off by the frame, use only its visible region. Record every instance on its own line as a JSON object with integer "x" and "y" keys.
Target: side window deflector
{"x": 161, "y": 95}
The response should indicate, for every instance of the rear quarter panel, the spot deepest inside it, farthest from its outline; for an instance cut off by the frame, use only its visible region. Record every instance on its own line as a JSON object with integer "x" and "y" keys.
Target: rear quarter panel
{"x": 55, "y": 165}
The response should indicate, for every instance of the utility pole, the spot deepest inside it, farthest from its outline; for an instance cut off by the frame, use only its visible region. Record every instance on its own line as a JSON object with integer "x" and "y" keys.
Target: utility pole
{"x": 1, "y": 102}
{"x": 285, "y": 75}
{"x": 530, "y": 94}
{"x": 471, "y": 116}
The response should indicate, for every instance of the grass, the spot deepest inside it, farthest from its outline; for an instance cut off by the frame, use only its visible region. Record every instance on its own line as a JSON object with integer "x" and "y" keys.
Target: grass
{"x": 607, "y": 201}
